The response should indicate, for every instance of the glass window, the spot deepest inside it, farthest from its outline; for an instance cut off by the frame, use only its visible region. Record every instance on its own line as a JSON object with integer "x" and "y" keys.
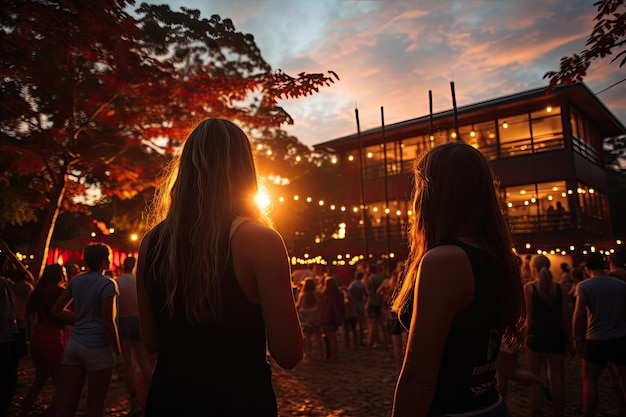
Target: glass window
{"x": 482, "y": 136}
{"x": 514, "y": 134}
{"x": 547, "y": 132}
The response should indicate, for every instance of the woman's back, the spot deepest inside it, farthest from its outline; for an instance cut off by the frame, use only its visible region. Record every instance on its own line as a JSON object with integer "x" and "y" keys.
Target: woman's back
{"x": 219, "y": 366}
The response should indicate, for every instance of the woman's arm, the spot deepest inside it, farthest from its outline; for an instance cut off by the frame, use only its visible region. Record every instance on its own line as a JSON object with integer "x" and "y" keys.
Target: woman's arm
{"x": 444, "y": 286}
{"x": 149, "y": 334}
{"x": 260, "y": 251}
{"x": 109, "y": 312}
{"x": 16, "y": 262}
{"x": 61, "y": 309}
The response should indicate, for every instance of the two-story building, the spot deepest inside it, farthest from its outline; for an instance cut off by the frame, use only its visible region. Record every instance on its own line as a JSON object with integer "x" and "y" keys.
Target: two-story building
{"x": 545, "y": 149}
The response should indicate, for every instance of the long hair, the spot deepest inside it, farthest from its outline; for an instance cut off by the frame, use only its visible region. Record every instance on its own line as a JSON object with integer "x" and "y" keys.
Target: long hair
{"x": 212, "y": 181}
{"x": 541, "y": 264}
{"x": 455, "y": 192}
{"x": 51, "y": 277}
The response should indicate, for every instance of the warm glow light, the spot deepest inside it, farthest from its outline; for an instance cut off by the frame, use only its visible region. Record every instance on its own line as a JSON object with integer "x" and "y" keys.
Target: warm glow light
{"x": 453, "y": 135}
{"x": 510, "y": 204}
{"x": 555, "y": 188}
{"x": 298, "y": 158}
{"x": 398, "y": 212}
{"x": 259, "y": 146}
{"x": 60, "y": 260}
{"x": 343, "y": 208}
{"x": 550, "y": 198}
{"x": 281, "y": 199}
{"x": 263, "y": 199}
{"x": 549, "y": 109}
{"x": 333, "y": 160}
{"x": 93, "y": 234}
{"x": 351, "y": 158}
{"x": 618, "y": 241}
{"x": 472, "y": 133}
{"x": 269, "y": 152}
{"x": 505, "y": 125}
{"x": 526, "y": 202}
{"x": 591, "y": 191}
{"x": 321, "y": 203}
{"x": 528, "y": 246}
{"x": 309, "y": 199}
{"x": 134, "y": 237}
{"x": 296, "y": 197}
{"x": 111, "y": 230}
{"x": 522, "y": 192}
{"x": 572, "y": 247}
{"x": 432, "y": 138}
{"x": 369, "y": 154}
{"x": 332, "y": 206}
{"x": 355, "y": 209}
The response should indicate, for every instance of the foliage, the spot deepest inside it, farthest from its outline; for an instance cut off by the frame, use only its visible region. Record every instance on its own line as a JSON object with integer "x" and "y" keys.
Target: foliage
{"x": 608, "y": 35}
{"x": 93, "y": 97}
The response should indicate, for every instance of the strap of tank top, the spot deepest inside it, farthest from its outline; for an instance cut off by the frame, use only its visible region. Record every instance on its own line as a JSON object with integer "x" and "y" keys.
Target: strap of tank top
{"x": 235, "y": 225}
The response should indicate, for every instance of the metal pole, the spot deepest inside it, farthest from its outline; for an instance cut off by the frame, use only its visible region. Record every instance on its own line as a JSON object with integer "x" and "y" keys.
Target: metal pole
{"x": 456, "y": 119}
{"x": 382, "y": 122}
{"x": 364, "y": 215}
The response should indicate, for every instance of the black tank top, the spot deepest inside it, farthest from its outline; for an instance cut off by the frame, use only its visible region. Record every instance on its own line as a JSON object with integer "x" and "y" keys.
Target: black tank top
{"x": 466, "y": 379}
{"x": 219, "y": 368}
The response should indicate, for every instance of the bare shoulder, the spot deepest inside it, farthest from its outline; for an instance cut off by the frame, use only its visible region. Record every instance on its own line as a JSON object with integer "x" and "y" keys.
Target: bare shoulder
{"x": 447, "y": 264}
{"x": 447, "y": 257}
{"x": 252, "y": 232}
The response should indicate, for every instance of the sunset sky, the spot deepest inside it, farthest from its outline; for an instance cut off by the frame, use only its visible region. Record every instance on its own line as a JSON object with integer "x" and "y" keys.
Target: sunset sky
{"x": 390, "y": 53}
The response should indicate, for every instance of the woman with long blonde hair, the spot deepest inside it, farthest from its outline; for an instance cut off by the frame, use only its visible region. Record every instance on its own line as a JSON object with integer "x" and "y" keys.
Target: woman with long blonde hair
{"x": 549, "y": 327}
{"x": 213, "y": 284}
{"x": 462, "y": 292}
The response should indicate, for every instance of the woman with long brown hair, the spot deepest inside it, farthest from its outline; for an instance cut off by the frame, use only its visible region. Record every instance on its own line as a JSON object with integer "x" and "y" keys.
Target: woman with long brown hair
{"x": 213, "y": 284}
{"x": 462, "y": 293}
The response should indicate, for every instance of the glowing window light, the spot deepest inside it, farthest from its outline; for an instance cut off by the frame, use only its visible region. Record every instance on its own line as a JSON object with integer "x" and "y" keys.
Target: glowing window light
{"x": 298, "y": 158}
{"x": 134, "y": 237}
{"x": 549, "y": 109}
{"x": 296, "y": 197}
{"x": 281, "y": 199}
{"x": 510, "y": 204}
{"x": 522, "y": 192}
{"x": 398, "y": 212}
{"x": 332, "y": 207}
{"x": 321, "y": 203}
{"x": 472, "y": 133}
{"x": 333, "y": 160}
{"x": 538, "y": 251}
{"x": 505, "y": 125}
{"x": 409, "y": 213}
{"x": 387, "y": 211}
{"x": 453, "y": 135}
{"x": 555, "y": 188}
{"x": 375, "y": 209}
{"x": 591, "y": 191}
{"x": 343, "y": 208}
{"x": 572, "y": 247}
{"x": 526, "y": 202}
{"x": 309, "y": 199}
{"x": 592, "y": 249}
{"x": 306, "y": 256}
{"x": 259, "y": 146}
{"x": 528, "y": 246}
{"x": 269, "y": 152}
{"x": 563, "y": 195}
{"x": 432, "y": 138}
{"x": 570, "y": 192}
{"x": 533, "y": 200}
{"x": 351, "y": 158}
{"x": 370, "y": 155}
{"x": 93, "y": 234}
{"x": 111, "y": 230}
{"x": 355, "y": 209}
{"x": 618, "y": 241}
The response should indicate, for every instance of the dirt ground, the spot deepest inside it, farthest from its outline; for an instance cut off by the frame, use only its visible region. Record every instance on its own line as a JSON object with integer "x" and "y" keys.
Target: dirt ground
{"x": 360, "y": 384}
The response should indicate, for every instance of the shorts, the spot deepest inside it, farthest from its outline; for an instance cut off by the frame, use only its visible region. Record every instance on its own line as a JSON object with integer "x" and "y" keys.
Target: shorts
{"x": 91, "y": 358}
{"x": 128, "y": 328}
{"x": 394, "y": 326}
{"x": 554, "y": 343}
{"x": 601, "y": 352}
{"x": 374, "y": 311}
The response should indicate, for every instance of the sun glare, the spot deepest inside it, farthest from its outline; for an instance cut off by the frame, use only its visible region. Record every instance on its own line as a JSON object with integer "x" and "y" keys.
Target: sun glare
{"x": 263, "y": 199}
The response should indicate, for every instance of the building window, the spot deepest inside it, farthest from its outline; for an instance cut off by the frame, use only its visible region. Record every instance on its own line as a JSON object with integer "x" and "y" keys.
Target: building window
{"x": 537, "y": 207}
{"x": 482, "y": 136}
{"x": 514, "y": 134}
{"x": 547, "y": 129}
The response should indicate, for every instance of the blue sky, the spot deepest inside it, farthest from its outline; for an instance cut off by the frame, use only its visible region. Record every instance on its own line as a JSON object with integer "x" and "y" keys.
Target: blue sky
{"x": 390, "y": 53}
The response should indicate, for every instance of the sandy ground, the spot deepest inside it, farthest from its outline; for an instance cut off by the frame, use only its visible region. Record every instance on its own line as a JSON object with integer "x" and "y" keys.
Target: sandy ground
{"x": 360, "y": 384}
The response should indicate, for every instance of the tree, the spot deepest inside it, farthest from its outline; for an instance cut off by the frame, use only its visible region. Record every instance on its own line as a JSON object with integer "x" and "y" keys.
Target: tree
{"x": 608, "y": 35}
{"x": 94, "y": 98}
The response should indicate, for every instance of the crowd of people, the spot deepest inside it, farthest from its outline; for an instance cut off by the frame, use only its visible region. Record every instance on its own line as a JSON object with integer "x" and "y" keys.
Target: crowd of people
{"x": 211, "y": 298}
